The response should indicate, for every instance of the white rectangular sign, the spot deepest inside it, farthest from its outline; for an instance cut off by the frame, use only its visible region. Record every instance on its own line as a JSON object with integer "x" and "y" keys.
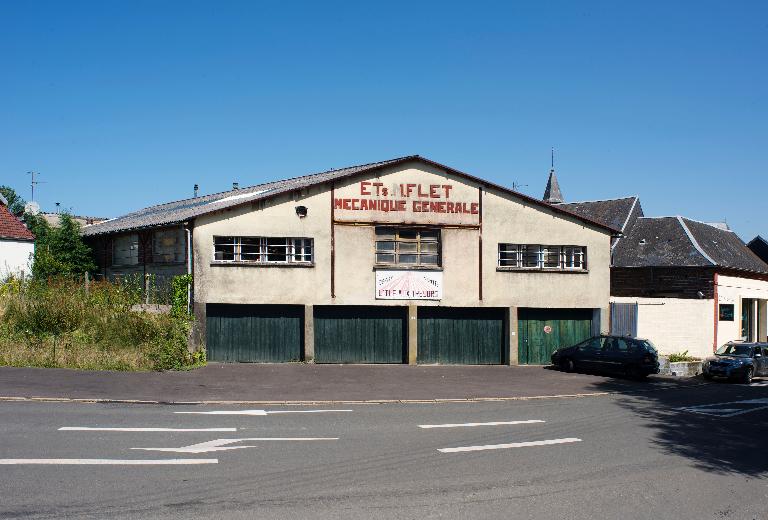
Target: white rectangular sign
{"x": 409, "y": 285}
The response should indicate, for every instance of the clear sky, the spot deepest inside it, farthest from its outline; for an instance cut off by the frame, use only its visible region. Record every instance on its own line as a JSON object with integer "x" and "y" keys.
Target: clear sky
{"x": 121, "y": 105}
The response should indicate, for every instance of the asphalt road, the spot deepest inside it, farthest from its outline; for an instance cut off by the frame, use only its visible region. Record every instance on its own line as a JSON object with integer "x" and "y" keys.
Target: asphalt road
{"x": 672, "y": 453}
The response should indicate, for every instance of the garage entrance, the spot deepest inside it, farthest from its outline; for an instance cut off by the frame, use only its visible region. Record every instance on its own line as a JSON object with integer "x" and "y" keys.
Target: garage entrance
{"x": 360, "y": 334}
{"x": 461, "y": 336}
{"x": 542, "y": 331}
{"x": 254, "y": 333}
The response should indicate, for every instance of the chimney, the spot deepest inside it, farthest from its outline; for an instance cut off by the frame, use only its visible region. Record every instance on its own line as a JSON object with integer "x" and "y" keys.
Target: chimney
{"x": 197, "y": 188}
{"x": 235, "y": 185}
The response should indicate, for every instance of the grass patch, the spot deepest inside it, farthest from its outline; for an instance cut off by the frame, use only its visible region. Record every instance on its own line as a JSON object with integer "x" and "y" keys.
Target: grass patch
{"x": 681, "y": 357}
{"x": 61, "y": 324}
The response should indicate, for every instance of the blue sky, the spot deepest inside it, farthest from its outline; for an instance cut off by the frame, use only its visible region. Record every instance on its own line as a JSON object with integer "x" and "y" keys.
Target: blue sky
{"x": 121, "y": 105}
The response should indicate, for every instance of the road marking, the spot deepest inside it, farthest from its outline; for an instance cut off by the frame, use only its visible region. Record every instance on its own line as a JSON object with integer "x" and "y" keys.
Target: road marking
{"x": 723, "y": 410}
{"x": 470, "y": 424}
{"x": 260, "y": 412}
{"x": 108, "y": 462}
{"x": 222, "y": 444}
{"x": 99, "y": 429}
{"x": 510, "y": 445}
{"x": 760, "y": 383}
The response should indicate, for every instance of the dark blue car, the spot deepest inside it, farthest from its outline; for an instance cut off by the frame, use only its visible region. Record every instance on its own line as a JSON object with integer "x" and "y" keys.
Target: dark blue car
{"x": 632, "y": 357}
{"x": 737, "y": 361}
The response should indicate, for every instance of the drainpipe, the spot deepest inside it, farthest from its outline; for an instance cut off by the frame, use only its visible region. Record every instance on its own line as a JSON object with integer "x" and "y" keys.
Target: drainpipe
{"x": 717, "y": 315}
{"x": 189, "y": 266}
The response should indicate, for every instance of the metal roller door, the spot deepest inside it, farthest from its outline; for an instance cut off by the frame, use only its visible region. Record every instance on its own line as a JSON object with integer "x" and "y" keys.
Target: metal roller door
{"x": 254, "y": 333}
{"x": 542, "y": 331}
{"x": 360, "y": 334}
{"x": 461, "y": 336}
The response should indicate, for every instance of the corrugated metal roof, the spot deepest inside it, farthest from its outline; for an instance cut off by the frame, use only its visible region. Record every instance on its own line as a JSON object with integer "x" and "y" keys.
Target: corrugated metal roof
{"x": 184, "y": 210}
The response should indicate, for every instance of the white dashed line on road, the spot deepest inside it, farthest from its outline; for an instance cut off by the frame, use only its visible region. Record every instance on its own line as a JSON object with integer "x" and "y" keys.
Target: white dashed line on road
{"x": 260, "y": 412}
{"x": 468, "y": 425}
{"x": 222, "y": 444}
{"x": 99, "y": 429}
{"x": 106, "y": 462}
{"x": 549, "y": 442}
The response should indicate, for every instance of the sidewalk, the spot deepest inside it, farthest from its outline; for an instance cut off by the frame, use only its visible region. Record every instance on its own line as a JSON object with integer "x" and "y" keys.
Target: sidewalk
{"x": 315, "y": 383}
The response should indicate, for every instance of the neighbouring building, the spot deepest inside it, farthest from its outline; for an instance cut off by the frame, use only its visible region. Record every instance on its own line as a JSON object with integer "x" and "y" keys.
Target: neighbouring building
{"x": 17, "y": 244}
{"x": 53, "y": 219}
{"x": 759, "y": 246}
{"x": 400, "y": 261}
{"x": 681, "y": 283}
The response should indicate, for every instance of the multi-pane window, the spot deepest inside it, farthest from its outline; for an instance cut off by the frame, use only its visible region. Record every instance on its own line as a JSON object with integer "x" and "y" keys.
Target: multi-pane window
{"x": 168, "y": 246}
{"x": 542, "y": 257}
{"x": 408, "y": 246}
{"x": 262, "y": 250}
{"x": 125, "y": 250}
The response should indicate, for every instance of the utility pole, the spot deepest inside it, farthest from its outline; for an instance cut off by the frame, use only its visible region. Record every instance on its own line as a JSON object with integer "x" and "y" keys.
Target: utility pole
{"x": 34, "y": 183}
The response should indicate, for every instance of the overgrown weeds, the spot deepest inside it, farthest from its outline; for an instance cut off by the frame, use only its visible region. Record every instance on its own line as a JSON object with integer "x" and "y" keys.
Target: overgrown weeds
{"x": 63, "y": 323}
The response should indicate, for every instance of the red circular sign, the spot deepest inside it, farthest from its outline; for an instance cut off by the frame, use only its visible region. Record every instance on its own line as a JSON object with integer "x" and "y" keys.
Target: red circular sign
{"x": 547, "y": 329}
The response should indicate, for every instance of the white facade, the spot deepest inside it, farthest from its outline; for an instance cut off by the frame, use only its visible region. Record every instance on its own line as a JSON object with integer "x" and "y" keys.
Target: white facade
{"x": 750, "y": 320}
{"x": 15, "y": 257}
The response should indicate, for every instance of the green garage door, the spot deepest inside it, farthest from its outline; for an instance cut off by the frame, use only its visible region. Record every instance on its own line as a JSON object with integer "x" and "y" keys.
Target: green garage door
{"x": 542, "y": 331}
{"x": 254, "y": 333}
{"x": 359, "y": 334}
{"x": 461, "y": 336}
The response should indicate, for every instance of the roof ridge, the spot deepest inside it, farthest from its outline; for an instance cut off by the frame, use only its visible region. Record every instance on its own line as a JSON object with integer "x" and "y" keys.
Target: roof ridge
{"x": 711, "y": 224}
{"x": 599, "y": 200}
{"x": 693, "y": 240}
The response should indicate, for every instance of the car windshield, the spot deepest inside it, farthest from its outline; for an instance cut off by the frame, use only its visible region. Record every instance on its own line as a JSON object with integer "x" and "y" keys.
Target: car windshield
{"x": 734, "y": 349}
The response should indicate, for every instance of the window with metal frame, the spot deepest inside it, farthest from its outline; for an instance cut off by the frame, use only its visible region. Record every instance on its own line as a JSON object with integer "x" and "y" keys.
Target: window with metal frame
{"x": 408, "y": 246}
{"x": 262, "y": 250}
{"x": 534, "y": 256}
{"x": 168, "y": 246}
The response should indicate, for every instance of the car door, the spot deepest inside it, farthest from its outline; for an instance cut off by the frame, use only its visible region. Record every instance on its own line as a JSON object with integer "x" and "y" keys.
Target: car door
{"x": 761, "y": 361}
{"x": 588, "y": 354}
{"x": 615, "y": 354}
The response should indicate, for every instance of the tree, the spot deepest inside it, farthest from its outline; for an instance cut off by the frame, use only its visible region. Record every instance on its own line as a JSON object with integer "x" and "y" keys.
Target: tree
{"x": 59, "y": 251}
{"x": 15, "y": 202}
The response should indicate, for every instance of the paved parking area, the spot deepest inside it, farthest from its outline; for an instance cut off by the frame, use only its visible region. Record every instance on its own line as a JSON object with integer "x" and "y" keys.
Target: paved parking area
{"x": 301, "y": 382}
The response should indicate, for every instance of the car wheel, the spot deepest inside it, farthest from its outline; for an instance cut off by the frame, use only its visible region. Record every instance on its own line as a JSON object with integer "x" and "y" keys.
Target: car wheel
{"x": 748, "y": 376}
{"x": 566, "y": 365}
{"x": 632, "y": 372}
{"x": 708, "y": 377}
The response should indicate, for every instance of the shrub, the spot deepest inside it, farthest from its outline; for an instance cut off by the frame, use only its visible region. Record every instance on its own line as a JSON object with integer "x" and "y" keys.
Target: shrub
{"x": 681, "y": 357}
{"x": 60, "y": 323}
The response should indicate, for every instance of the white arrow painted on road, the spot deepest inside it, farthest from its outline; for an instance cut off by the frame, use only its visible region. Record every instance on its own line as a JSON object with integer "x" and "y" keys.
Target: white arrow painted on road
{"x": 260, "y": 412}
{"x": 223, "y": 444}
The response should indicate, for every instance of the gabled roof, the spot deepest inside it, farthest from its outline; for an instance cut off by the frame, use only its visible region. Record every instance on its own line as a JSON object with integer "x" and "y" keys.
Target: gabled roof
{"x": 11, "y": 228}
{"x": 616, "y": 213}
{"x": 184, "y": 210}
{"x": 759, "y": 246}
{"x": 682, "y": 242}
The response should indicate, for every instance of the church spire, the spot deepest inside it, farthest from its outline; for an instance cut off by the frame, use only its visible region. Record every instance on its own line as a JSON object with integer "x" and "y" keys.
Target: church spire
{"x": 552, "y": 193}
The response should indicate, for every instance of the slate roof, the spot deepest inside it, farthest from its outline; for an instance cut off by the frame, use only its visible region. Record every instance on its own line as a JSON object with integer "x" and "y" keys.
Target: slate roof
{"x": 552, "y": 193}
{"x": 759, "y": 246}
{"x": 616, "y": 213}
{"x": 11, "y": 228}
{"x": 682, "y": 242}
{"x": 184, "y": 210}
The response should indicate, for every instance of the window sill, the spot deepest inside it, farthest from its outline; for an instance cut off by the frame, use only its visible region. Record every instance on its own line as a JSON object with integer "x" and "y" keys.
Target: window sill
{"x": 542, "y": 270}
{"x": 386, "y": 267}
{"x": 257, "y": 264}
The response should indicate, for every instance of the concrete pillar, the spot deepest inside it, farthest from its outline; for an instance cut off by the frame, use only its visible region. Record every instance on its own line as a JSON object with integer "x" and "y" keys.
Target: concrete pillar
{"x": 413, "y": 338}
{"x": 309, "y": 333}
{"x": 603, "y": 317}
{"x": 763, "y": 320}
{"x": 512, "y": 358}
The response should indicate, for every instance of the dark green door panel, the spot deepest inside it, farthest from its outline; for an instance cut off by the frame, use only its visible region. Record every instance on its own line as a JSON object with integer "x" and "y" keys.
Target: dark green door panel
{"x": 254, "y": 333}
{"x": 542, "y": 331}
{"x": 461, "y": 336}
{"x": 360, "y": 334}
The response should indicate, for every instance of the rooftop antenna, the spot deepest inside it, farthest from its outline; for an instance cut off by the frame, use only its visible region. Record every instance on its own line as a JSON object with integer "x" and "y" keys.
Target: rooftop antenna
{"x": 516, "y": 186}
{"x": 34, "y": 183}
{"x": 553, "y": 159}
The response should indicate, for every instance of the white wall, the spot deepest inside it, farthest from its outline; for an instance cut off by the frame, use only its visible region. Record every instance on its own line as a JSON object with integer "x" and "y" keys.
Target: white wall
{"x": 675, "y": 324}
{"x": 731, "y": 289}
{"x": 15, "y": 257}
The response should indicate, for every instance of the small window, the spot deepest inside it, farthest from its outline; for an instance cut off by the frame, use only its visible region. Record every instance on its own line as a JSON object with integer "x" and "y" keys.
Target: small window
{"x": 168, "y": 246}
{"x": 407, "y": 246}
{"x": 726, "y": 311}
{"x": 262, "y": 250}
